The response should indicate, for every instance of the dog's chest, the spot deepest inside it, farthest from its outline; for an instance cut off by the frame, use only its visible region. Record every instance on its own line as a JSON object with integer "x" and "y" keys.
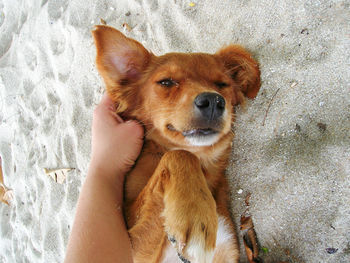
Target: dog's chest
{"x": 147, "y": 163}
{"x": 170, "y": 255}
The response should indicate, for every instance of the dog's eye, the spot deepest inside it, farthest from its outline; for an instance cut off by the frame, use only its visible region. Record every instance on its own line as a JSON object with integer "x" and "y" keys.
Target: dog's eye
{"x": 167, "y": 83}
{"x": 221, "y": 84}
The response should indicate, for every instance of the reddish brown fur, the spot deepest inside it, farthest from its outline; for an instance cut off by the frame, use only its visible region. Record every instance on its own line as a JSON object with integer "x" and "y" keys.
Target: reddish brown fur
{"x": 175, "y": 189}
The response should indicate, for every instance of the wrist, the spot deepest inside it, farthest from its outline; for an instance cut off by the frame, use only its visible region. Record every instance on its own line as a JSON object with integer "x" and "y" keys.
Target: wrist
{"x": 103, "y": 172}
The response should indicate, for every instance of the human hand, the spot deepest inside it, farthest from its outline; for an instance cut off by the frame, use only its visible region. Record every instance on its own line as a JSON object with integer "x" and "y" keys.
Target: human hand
{"x": 115, "y": 143}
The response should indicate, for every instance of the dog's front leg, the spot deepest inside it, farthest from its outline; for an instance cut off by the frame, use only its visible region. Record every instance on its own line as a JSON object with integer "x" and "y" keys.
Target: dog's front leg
{"x": 177, "y": 199}
{"x": 190, "y": 217}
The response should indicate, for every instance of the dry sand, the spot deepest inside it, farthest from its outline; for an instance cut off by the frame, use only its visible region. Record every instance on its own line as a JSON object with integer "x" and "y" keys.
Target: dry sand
{"x": 296, "y": 166}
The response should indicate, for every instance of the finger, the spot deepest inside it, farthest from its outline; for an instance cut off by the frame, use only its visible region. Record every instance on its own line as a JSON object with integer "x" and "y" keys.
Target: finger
{"x": 107, "y": 101}
{"x": 117, "y": 117}
{"x": 134, "y": 129}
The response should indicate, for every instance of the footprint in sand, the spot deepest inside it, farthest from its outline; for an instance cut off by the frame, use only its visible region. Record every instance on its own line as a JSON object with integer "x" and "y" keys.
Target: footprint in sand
{"x": 57, "y": 39}
{"x": 153, "y": 6}
{"x": 42, "y": 158}
{"x": 56, "y": 197}
{"x": 2, "y": 14}
{"x": 36, "y": 237}
{"x": 31, "y": 158}
{"x": 77, "y": 116}
{"x": 48, "y": 125}
{"x": 19, "y": 244}
{"x": 63, "y": 77}
{"x": 58, "y": 43}
{"x": 65, "y": 229}
{"x": 44, "y": 2}
{"x": 55, "y": 9}
{"x": 88, "y": 94}
{"x": 28, "y": 87}
{"x": 52, "y": 242}
{"x": 35, "y": 252}
{"x": 69, "y": 150}
{"x": 36, "y": 104}
{"x": 74, "y": 183}
{"x": 30, "y": 58}
{"x": 6, "y": 228}
{"x": 27, "y": 219}
{"x": 179, "y": 39}
{"x": 53, "y": 99}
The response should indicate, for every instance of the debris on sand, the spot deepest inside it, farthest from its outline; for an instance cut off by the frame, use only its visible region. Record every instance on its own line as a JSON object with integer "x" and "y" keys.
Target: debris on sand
{"x": 6, "y": 194}
{"x": 127, "y": 27}
{"x": 249, "y": 239}
{"x": 58, "y": 175}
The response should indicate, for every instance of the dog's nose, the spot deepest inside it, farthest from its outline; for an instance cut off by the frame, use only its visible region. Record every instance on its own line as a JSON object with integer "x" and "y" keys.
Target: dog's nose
{"x": 211, "y": 105}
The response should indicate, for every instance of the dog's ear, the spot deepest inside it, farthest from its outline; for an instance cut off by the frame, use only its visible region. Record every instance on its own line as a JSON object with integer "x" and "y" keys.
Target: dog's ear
{"x": 243, "y": 69}
{"x": 120, "y": 61}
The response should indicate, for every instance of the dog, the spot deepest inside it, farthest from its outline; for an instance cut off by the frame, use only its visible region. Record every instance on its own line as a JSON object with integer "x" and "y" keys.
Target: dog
{"x": 176, "y": 196}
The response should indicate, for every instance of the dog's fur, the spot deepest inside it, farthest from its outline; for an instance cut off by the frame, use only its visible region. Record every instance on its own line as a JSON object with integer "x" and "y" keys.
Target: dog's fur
{"x": 176, "y": 202}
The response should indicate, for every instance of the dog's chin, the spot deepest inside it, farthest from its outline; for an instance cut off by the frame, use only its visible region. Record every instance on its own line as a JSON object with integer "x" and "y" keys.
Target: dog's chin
{"x": 201, "y": 137}
{"x": 202, "y": 140}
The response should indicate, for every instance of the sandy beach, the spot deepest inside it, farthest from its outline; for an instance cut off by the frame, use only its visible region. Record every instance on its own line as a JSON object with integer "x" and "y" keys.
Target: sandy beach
{"x": 291, "y": 150}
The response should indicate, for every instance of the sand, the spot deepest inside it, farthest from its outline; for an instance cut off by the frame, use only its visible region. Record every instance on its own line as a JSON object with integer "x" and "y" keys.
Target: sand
{"x": 295, "y": 162}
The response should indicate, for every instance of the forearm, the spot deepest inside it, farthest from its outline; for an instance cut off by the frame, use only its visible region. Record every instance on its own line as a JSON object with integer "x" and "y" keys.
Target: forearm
{"x": 99, "y": 233}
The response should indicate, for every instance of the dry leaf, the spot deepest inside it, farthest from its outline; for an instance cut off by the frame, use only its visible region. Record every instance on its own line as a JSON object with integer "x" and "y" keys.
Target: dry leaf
{"x": 246, "y": 223}
{"x": 6, "y": 194}
{"x": 103, "y": 22}
{"x": 191, "y": 4}
{"x": 126, "y": 25}
{"x": 247, "y": 199}
{"x": 58, "y": 175}
{"x": 249, "y": 239}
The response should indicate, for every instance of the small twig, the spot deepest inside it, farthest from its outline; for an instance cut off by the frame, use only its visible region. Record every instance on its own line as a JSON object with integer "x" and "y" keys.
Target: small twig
{"x": 294, "y": 84}
{"x": 268, "y": 107}
{"x": 127, "y": 27}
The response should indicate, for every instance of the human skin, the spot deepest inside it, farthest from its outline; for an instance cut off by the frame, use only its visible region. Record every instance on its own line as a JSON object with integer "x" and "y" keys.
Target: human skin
{"x": 99, "y": 233}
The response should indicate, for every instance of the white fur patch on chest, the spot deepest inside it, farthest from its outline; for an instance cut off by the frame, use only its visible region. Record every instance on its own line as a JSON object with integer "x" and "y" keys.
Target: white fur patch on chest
{"x": 170, "y": 255}
{"x": 223, "y": 236}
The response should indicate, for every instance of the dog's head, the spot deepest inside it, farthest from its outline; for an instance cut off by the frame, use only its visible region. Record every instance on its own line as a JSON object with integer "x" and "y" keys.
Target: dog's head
{"x": 184, "y": 100}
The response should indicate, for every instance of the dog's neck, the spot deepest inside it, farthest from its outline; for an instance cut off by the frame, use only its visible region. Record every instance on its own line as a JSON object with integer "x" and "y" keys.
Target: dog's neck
{"x": 213, "y": 159}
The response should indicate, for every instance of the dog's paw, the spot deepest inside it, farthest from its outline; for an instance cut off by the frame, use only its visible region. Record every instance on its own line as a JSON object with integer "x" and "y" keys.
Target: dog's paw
{"x": 192, "y": 230}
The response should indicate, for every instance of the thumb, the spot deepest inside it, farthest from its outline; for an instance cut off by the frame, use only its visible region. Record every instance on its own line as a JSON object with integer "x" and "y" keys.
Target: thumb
{"x": 131, "y": 133}
{"x": 133, "y": 129}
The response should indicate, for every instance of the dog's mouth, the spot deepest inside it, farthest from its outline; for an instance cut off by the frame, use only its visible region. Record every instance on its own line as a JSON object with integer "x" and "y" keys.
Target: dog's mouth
{"x": 198, "y": 136}
{"x": 199, "y": 132}
{"x": 194, "y": 132}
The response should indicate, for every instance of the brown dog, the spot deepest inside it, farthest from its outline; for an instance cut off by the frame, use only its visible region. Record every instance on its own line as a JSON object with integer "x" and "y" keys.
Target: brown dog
{"x": 176, "y": 204}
